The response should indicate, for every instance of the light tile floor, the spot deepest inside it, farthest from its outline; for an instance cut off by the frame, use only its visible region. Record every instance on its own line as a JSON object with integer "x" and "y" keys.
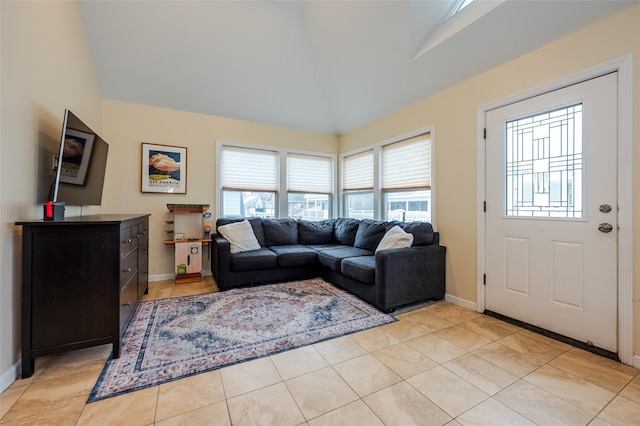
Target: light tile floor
{"x": 438, "y": 365}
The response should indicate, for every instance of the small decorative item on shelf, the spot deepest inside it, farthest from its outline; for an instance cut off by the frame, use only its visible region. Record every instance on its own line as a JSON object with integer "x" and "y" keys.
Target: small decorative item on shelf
{"x": 207, "y": 230}
{"x": 179, "y": 236}
{"x": 181, "y": 269}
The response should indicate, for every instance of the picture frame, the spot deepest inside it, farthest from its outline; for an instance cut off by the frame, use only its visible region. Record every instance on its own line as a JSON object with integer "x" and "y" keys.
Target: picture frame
{"x": 164, "y": 169}
{"x": 76, "y": 155}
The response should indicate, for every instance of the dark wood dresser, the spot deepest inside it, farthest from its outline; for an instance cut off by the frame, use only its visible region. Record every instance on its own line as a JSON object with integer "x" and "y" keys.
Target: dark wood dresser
{"x": 81, "y": 280}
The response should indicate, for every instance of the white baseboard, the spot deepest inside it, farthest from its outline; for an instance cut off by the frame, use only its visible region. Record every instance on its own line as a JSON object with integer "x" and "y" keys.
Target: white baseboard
{"x": 10, "y": 376}
{"x": 161, "y": 277}
{"x": 636, "y": 361}
{"x": 460, "y": 302}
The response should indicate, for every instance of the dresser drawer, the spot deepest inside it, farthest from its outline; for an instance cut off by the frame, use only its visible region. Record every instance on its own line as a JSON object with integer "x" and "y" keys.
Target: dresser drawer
{"x": 128, "y": 267}
{"x": 128, "y": 240}
{"x": 136, "y": 233}
{"x": 143, "y": 233}
{"x": 143, "y": 253}
{"x": 143, "y": 268}
{"x": 125, "y": 242}
{"x": 128, "y": 300}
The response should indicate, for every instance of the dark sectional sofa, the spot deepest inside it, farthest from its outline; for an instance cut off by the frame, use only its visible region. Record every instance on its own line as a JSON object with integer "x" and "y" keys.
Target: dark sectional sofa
{"x": 341, "y": 251}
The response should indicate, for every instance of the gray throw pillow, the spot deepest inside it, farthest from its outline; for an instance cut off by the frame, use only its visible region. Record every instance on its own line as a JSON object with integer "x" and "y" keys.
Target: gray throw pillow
{"x": 369, "y": 234}
{"x": 320, "y": 232}
{"x": 344, "y": 231}
{"x": 280, "y": 232}
{"x": 422, "y": 232}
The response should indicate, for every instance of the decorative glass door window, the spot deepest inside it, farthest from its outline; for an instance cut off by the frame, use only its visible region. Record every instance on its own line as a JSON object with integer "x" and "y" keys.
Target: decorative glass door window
{"x": 544, "y": 164}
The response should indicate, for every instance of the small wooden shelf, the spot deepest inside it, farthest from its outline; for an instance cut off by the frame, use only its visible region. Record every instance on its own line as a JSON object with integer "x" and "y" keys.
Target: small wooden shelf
{"x": 187, "y": 208}
{"x": 172, "y": 243}
{"x": 188, "y": 257}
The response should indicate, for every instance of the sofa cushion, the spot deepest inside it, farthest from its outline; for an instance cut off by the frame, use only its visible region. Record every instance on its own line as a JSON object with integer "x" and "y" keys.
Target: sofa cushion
{"x": 320, "y": 232}
{"x": 369, "y": 234}
{"x": 256, "y": 225}
{"x": 240, "y": 235}
{"x": 344, "y": 230}
{"x": 333, "y": 258}
{"x": 422, "y": 232}
{"x": 395, "y": 238}
{"x": 361, "y": 268}
{"x": 330, "y": 246}
{"x": 253, "y": 260}
{"x": 280, "y": 232}
{"x": 295, "y": 255}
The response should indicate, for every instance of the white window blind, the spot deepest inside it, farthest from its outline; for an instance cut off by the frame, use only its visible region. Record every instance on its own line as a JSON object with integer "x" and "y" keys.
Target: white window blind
{"x": 407, "y": 164}
{"x": 310, "y": 174}
{"x": 249, "y": 169}
{"x": 358, "y": 171}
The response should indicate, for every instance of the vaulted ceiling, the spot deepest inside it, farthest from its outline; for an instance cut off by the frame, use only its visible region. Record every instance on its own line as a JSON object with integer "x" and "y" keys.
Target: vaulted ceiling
{"x": 326, "y": 66}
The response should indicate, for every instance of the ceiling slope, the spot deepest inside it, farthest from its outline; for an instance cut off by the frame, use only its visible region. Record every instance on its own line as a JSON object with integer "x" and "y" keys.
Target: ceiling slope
{"x": 324, "y": 66}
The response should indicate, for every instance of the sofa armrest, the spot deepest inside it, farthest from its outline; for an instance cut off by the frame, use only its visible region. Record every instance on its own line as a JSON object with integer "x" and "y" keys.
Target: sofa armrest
{"x": 409, "y": 275}
{"x": 436, "y": 238}
{"x": 221, "y": 260}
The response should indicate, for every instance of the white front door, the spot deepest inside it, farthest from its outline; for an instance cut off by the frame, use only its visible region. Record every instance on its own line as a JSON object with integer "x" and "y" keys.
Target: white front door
{"x": 551, "y": 211}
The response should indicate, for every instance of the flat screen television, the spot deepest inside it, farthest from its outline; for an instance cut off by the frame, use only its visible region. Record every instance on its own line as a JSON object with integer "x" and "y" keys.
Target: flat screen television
{"x": 81, "y": 165}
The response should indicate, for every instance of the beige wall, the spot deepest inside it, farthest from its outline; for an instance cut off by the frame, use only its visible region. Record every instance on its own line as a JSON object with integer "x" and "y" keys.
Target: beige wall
{"x": 127, "y": 125}
{"x": 453, "y": 114}
{"x": 46, "y": 67}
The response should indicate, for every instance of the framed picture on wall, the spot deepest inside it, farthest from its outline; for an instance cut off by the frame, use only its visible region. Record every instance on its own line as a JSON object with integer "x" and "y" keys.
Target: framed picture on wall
{"x": 164, "y": 169}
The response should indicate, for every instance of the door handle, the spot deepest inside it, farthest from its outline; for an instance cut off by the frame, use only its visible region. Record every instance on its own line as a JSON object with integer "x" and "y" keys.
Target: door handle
{"x": 605, "y": 227}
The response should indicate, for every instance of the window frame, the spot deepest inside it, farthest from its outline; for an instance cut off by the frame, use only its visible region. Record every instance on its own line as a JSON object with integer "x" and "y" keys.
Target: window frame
{"x": 379, "y": 196}
{"x": 281, "y": 193}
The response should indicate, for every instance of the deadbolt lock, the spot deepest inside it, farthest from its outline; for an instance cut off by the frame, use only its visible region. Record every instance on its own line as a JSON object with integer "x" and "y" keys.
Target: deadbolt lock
{"x": 605, "y": 208}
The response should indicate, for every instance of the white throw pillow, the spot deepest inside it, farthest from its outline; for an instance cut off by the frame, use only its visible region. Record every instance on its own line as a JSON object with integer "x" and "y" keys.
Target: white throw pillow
{"x": 394, "y": 238}
{"x": 240, "y": 236}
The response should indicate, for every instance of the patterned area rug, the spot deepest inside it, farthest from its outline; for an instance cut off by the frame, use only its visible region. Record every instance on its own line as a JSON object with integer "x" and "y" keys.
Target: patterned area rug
{"x": 171, "y": 339}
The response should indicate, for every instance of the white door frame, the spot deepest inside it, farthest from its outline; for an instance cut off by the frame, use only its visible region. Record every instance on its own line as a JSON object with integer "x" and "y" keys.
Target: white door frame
{"x": 624, "y": 67}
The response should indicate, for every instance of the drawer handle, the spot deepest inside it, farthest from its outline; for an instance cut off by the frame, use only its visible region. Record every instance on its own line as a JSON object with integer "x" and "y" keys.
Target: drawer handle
{"x": 137, "y": 236}
{"x": 126, "y": 270}
{"x": 127, "y": 241}
{"x": 126, "y": 304}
